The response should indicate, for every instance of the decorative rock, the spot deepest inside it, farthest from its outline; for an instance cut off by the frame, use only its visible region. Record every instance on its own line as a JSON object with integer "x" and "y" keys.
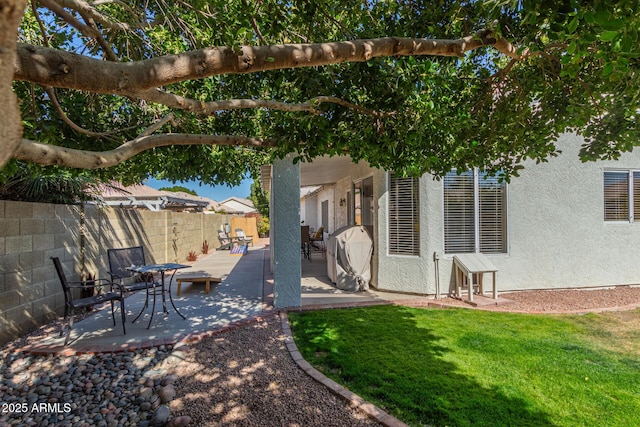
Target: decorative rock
{"x": 146, "y": 392}
{"x": 167, "y": 393}
{"x": 179, "y": 421}
{"x": 101, "y": 390}
{"x": 161, "y": 416}
{"x": 169, "y": 379}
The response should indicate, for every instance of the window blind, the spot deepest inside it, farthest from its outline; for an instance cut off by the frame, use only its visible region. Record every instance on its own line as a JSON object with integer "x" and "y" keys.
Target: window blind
{"x": 636, "y": 196}
{"x": 492, "y": 214}
{"x": 459, "y": 213}
{"x": 616, "y": 196}
{"x": 404, "y": 215}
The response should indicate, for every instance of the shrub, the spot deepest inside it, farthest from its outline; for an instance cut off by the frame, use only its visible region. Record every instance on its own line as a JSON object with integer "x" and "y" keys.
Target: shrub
{"x": 263, "y": 226}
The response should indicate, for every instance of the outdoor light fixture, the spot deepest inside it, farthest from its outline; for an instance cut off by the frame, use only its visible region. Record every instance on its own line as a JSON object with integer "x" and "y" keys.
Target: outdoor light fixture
{"x": 342, "y": 202}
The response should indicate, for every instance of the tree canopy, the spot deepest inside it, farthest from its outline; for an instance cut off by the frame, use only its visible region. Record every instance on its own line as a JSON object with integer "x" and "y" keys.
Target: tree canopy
{"x": 179, "y": 189}
{"x": 209, "y": 89}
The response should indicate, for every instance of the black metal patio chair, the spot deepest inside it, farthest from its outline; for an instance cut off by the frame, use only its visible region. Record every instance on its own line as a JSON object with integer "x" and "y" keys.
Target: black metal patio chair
{"x": 72, "y": 303}
{"x": 120, "y": 260}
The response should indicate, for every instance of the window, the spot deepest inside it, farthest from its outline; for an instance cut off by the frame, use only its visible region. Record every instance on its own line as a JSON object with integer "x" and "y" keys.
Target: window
{"x": 621, "y": 193}
{"x": 475, "y": 213}
{"x": 404, "y": 216}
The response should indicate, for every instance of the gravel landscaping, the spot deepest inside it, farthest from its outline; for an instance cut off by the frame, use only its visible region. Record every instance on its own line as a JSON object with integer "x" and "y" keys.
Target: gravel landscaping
{"x": 246, "y": 377}
{"x": 560, "y": 301}
{"x": 242, "y": 377}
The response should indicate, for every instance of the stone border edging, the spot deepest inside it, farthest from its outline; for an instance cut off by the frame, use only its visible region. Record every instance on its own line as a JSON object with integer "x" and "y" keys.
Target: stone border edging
{"x": 353, "y": 399}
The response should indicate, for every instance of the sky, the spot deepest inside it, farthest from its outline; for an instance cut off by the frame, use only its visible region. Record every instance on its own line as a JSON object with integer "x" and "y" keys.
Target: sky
{"x": 217, "y": 193}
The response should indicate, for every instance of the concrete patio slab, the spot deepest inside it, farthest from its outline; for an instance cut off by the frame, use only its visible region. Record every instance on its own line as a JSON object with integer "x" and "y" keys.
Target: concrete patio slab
{"x": 236, "y": 298}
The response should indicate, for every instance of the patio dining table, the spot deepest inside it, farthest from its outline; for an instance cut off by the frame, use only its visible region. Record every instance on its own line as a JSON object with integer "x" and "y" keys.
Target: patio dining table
{"x": 164, "y": 289}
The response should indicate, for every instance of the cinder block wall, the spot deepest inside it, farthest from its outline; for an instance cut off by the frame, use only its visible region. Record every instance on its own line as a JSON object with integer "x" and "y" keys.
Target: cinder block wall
{"x": 31, "y": 233}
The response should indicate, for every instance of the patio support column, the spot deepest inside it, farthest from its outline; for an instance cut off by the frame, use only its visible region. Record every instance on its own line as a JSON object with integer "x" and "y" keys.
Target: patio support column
{"x": 285, "y": 229}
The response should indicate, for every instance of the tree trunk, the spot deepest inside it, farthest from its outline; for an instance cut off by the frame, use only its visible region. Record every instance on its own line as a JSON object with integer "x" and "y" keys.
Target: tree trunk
{"x": 11, "y": 12}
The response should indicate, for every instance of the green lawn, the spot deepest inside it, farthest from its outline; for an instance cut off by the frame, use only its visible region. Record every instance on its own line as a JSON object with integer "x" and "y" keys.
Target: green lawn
{"x": 474, "y": 368}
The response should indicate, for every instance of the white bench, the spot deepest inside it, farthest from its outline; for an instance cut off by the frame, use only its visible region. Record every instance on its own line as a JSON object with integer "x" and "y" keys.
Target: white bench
{"x": 465, "y": 266}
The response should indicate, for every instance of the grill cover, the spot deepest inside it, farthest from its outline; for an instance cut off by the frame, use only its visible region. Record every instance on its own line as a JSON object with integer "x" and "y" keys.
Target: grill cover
{"x": 349, "y": 252}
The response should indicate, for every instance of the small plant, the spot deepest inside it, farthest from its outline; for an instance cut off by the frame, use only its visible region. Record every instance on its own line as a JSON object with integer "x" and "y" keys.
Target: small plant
{"x": 192, "y": 256}
{"x": 205, "y": 247}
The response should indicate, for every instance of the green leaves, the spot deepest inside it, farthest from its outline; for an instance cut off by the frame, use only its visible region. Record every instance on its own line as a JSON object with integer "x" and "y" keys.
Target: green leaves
{"x": 433, "y": 113}
{"x": 608, "y": 36}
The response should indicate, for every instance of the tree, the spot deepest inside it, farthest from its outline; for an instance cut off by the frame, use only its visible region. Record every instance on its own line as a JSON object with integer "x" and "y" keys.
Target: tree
{"x": 208, "y": 89}
{"x": 178, "y": 189}
{"x": 259, "y": 198}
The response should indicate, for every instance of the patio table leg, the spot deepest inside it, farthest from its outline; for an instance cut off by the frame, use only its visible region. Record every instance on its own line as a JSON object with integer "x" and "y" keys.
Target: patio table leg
{"x": 146, "y": 304}
{"x": 171, "y": 297}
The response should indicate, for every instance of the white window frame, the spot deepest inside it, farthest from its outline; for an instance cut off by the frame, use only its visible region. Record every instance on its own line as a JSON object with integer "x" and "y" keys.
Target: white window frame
{"x": 631, "y": 217}
{"x": 415, "y": 246}
{"x": 476, "y": 219}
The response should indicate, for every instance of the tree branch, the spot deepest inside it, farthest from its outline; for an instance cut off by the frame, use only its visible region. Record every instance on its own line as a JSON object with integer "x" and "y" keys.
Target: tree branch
{"x": 209, "y": 108}
{"x": 56, "y": 105}
{"x": 157, "y": 125}
{"x": 132, "y": 13}
{"x": 51, "y": 67}
{"x": 90, "y": 11}
{"x": 85, "y": 30}
{"x": 46, "y": 154}
{"x": 254, "y": 25}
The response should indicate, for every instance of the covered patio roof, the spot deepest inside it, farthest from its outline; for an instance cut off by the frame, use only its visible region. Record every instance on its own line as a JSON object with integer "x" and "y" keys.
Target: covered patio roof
{"x": 322, "y": 171}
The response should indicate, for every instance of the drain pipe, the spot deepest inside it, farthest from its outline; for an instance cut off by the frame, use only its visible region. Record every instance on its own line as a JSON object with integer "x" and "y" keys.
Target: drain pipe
{"x": 436, "y": 262}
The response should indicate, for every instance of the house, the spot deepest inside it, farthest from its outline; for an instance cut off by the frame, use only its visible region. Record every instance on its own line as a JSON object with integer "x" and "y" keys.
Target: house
{"x": 141, "y": 196}
{"x": 312, "y": 213}
{"x": 560, "y": 224}
{"x": 238, "y": 205}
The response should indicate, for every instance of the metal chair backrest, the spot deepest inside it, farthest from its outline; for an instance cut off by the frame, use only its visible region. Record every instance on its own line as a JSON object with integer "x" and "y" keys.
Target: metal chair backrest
{"x": 68, "y": 298}
{"x": 304, "y": 234}
{"x": 123, "y": 258}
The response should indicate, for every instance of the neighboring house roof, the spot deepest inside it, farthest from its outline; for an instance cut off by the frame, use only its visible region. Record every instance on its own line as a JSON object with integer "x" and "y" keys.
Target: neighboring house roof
{"x": 237, "y": 205}
{"x": 141, "y": 196}
{"x": 309, "y": 191}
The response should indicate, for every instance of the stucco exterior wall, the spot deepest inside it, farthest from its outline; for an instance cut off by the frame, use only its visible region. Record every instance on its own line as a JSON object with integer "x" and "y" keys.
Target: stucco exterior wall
{"x": 405, "y": 273}
{"x": 286, "y": 236}
{"x": 312, "y": 213}
{"x": 557, "y": 236}
{"x": 31, "y": 233}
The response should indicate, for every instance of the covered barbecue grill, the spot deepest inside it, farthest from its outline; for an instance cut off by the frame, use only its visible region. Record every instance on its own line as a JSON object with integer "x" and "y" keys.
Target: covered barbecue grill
{"x": 349, "y": 251}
